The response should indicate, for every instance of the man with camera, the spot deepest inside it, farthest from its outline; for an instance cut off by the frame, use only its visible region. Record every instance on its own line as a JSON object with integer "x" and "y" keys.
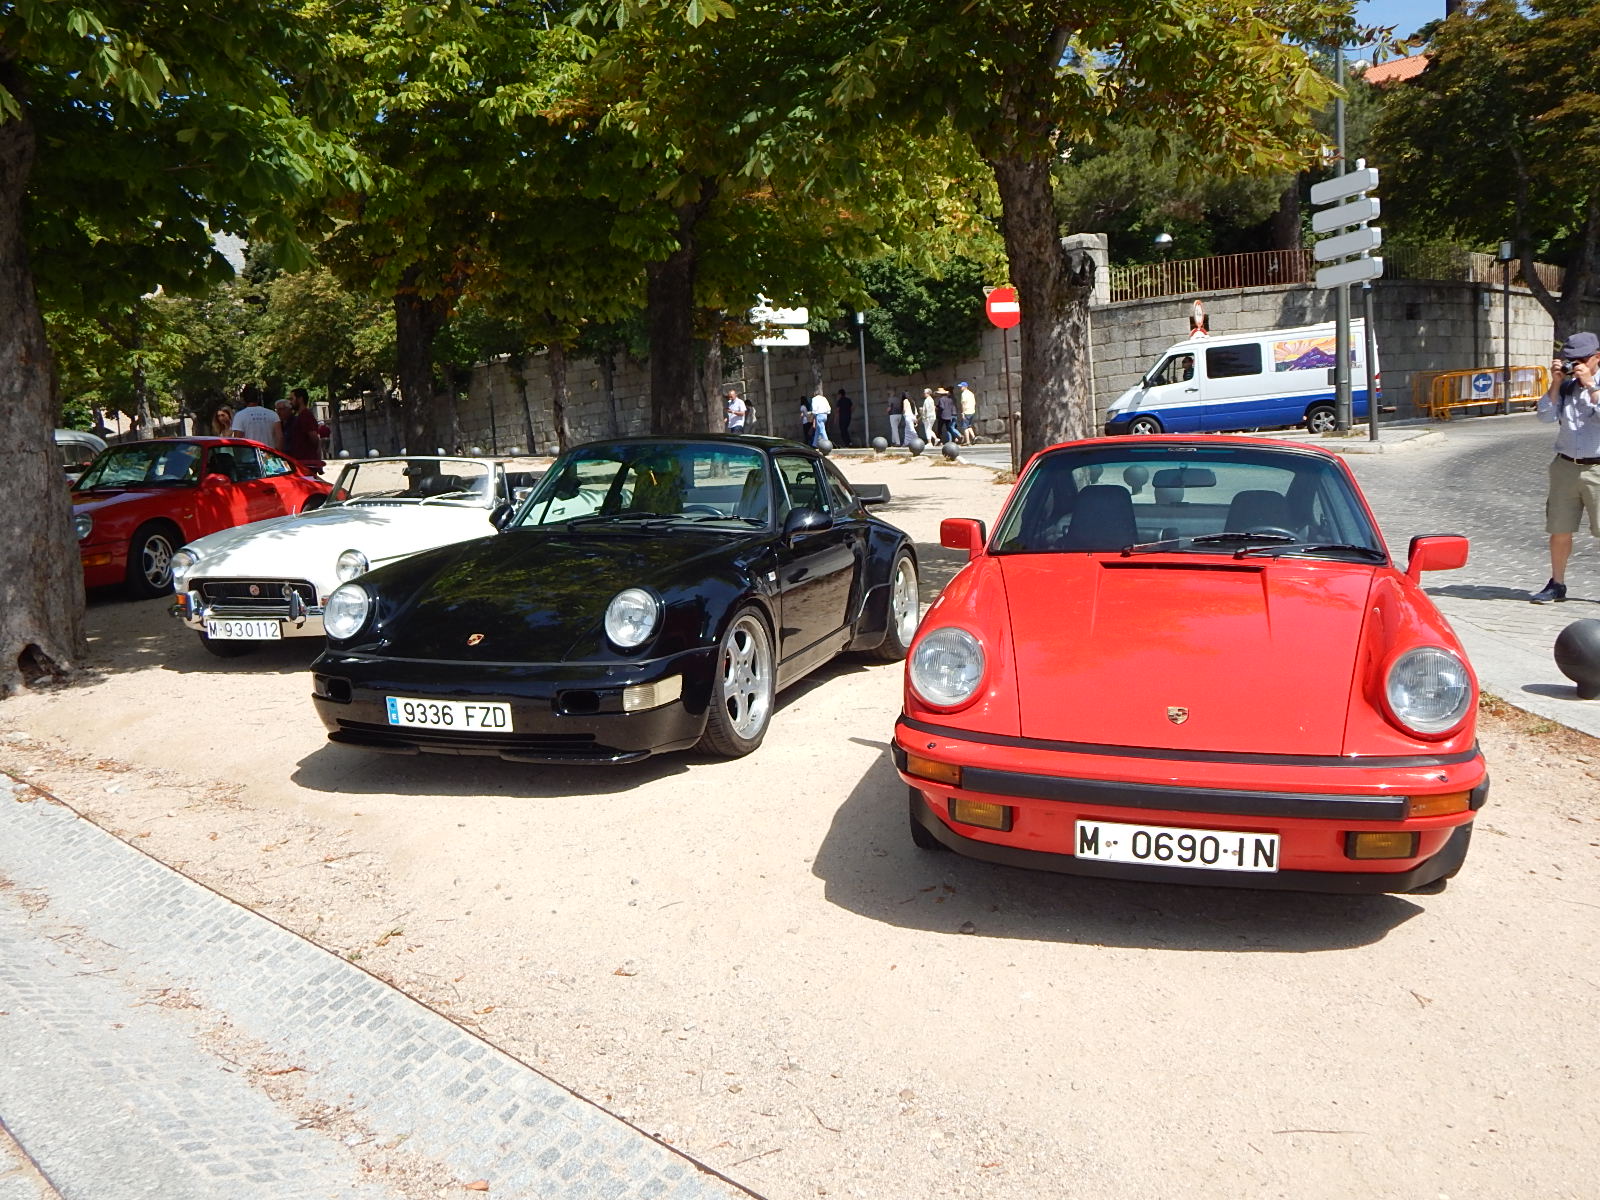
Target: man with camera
{"x": 1573, "y": 405}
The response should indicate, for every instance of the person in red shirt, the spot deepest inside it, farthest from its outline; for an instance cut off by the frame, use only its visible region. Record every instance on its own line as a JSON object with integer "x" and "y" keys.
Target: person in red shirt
{"x": 301, "y": 439}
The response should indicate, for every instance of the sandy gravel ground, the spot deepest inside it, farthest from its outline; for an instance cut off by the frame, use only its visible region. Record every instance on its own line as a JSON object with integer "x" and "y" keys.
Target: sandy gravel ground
{"x": 750, "y": 959}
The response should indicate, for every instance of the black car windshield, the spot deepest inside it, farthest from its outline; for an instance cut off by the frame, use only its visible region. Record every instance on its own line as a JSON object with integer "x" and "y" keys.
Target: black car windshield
{"x": 1149, "y": 497}
{"x": 144, "y": 464}
{"x": 710, "y": 483}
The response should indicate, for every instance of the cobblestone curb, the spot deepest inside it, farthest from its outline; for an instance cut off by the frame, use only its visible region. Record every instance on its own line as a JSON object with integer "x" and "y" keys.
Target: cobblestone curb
{"x": 410, "y": 1072}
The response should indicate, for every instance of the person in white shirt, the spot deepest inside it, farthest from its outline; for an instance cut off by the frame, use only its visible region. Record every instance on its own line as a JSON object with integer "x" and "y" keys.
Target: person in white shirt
{"x": 257, "y": 423}
{"x": 1573, "y": 405}
{"x": 736, "y": 411}
{"x": 821, "y": 410}
{"x": 969, "y": 413}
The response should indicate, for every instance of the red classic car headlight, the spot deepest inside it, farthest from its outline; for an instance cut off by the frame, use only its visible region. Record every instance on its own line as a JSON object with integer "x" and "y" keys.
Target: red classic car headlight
{"x": 946, "y": 668}
{"x": 1428, "y": 690}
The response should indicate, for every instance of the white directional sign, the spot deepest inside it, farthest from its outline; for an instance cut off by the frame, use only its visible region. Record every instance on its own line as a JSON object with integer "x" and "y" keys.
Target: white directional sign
{"x": 785, "y": 337}
{"x": 1340, "y": 187}
{"x": 761, "y": 314}
{"x": 1356, "y": 270}
{"x": 1354, "y": 213}
{"x": 1357, "y": 241}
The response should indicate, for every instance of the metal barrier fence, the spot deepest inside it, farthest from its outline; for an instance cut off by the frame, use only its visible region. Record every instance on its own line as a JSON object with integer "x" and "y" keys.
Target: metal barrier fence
{"x": 1442, "y": 394}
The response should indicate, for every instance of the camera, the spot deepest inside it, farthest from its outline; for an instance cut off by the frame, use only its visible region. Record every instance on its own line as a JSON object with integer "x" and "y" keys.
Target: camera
{"x": 1570, "y": 366}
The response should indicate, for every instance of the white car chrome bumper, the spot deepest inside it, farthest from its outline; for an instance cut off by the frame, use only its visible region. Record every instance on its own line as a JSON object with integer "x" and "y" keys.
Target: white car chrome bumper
{"x": 295, "y": 617}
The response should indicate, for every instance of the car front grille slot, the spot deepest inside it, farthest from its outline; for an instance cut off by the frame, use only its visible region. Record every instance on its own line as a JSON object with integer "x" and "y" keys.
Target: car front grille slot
{"x": 560, "y": 745}
{"x": 271, "y": 596}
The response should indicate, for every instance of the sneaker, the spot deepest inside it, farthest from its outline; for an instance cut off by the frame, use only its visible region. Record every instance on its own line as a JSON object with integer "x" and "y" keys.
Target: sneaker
{"x": 1552, "y": 591}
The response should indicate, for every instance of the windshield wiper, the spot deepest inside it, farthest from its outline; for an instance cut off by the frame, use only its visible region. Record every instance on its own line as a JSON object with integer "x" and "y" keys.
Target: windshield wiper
{"x": 1315, "y": 548}
{"x": 1153, "y": 547}
{"x": 1213, "y": 539}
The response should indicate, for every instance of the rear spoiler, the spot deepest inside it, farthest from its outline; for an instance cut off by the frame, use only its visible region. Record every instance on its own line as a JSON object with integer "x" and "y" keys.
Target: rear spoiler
{"x": 871, "y": 493}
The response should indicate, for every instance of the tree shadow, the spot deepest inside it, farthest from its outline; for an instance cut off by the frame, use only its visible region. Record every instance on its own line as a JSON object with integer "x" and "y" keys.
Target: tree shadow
{"x": 869, "y": 866}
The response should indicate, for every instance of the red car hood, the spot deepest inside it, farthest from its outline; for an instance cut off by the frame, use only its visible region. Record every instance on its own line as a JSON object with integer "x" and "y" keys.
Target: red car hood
{"x": 1234, "y": 655}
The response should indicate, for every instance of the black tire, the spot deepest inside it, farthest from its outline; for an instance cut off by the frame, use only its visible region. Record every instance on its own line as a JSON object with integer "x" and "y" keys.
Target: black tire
{"x": 920, "y": 837}
{"x": 743, "y": 688}
{"x": 150, "y": 560}
{"x": 905, "y": 608}
{"x": 1143, "y": 426}
{"x": 1321, "y": 418}
{"x": 225, "y": 649}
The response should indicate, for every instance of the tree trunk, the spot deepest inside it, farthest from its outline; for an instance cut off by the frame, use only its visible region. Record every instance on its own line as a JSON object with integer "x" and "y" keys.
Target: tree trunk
{"x": 519, "y": 366}
{"x": 417, "y": 321}
{"x": 1053, "y": 291}
{"x": 711, "y": 374}
{"x": 556, "y": 365}
{"x": 41, "y": 577}
{"x": 669, "y": 298}
{"x": 1286, "y": 221}
{"x": 814, "y": 351}
{"x": 607, "y": 361}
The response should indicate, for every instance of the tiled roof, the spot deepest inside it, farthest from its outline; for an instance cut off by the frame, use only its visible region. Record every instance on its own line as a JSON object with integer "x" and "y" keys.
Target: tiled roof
{"x": 1396, "y": 70}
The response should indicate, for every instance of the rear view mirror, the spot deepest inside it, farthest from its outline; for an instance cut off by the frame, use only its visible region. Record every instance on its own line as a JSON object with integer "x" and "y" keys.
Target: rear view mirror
{"x": 963, "y": 533}
{"x": 501, "y": 517}
{"x": 1436, "y": 552}
{"x": 1186, "y": 477}
{"x": 805, "y": 520}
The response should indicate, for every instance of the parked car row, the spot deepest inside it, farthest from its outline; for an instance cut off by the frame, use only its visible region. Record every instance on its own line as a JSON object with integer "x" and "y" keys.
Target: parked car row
{"x": 1175, "y": 659}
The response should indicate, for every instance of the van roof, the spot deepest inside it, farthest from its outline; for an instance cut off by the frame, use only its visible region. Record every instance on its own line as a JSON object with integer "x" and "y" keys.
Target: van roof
{"x": 1292, "y": 331}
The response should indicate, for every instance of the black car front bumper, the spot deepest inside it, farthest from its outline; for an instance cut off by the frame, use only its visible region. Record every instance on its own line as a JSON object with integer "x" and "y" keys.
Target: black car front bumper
{"x": 560, "y": 712}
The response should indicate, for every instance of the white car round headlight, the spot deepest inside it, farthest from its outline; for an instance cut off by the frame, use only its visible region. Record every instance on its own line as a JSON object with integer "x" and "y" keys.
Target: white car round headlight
{"x": 631, "y": 617}
{"x": 82, "y": 524}
{"x": 947, "y": 667}
{"x": 346, "y": 611}
{"x": 351, "y": 563}
{"x": 1429, "y": 689}
{"x": 183, "y": 562}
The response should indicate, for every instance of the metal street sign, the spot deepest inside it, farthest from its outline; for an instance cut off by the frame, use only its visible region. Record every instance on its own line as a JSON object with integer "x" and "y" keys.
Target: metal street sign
{"x": 1354, "y": 213}
{"x": 1342, "y": 186}
{"x": 1354, "y": 271}
{"x": 1003, "y": 309}
{"x": 1357, "y": 241}
{"x": 763, "y": 315}
{"x": 785, "y": 337}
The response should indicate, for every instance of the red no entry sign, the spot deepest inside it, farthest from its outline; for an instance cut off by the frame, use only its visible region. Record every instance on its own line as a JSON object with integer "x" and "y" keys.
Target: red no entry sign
{"x": 1002, "y": 308}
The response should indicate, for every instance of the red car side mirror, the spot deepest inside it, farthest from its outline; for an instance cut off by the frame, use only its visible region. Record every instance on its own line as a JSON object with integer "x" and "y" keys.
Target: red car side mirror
{"x": 215, "y": 479}
{"x": 1436, "y": 552}
{"x": 963, "y": 533}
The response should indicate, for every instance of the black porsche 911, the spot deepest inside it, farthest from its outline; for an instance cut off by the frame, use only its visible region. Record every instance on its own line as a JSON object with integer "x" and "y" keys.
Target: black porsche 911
{"x": 651, "y": 594}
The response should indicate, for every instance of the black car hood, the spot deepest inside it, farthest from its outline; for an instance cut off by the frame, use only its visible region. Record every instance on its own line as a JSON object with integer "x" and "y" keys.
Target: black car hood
{"x": 538, "y": 596}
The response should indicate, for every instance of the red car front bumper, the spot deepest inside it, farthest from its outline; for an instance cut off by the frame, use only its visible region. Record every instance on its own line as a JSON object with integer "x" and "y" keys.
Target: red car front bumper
{"x": 1055, "y": 794}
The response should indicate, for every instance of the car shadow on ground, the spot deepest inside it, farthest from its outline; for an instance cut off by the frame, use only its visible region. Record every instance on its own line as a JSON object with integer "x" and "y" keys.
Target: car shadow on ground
{"x": 1484, "y": 591}
{"x": 868, "y": 866}
{"x": 130, "y": 635}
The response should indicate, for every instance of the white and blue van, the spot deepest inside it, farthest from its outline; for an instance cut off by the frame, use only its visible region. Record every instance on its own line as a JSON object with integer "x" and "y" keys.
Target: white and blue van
{"x": 1266, "y": 380}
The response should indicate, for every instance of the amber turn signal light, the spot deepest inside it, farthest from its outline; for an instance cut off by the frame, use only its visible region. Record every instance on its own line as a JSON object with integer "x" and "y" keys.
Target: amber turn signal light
{"x": 984, "y": 815}
{"x": 1381, "y": 845}
{"x": 1438, "y": 806}
{"x": 927, "y": 768}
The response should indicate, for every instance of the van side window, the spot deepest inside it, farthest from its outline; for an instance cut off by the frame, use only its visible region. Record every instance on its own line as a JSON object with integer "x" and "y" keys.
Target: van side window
{"x": 1175, "y": 370}
{"x": 1225, "y": 362}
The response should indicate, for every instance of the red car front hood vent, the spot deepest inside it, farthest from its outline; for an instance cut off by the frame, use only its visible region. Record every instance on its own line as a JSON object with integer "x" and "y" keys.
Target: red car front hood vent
{"x": 1238, "y": 655}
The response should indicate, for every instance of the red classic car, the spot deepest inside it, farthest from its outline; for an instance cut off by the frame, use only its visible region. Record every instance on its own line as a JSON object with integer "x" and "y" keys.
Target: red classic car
{"x": 1191, "y": 660}
{"x": 140, "y": 501}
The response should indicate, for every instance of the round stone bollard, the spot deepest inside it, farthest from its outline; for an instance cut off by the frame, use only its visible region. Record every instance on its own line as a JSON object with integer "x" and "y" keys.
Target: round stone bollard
{"x": 1578, "y": 656}
{"x": 824, "y": 447}
{"x": 916, "y": 445}
{"x": 951, "y": 451}
{"x": 880, "y": 445}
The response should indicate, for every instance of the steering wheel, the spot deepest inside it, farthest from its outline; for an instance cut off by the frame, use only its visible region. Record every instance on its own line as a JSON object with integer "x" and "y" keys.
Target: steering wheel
{"x": 710, "y": 510}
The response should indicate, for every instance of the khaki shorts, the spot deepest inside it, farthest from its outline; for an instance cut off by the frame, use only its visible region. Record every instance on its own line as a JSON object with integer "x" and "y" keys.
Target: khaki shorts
{"x": 1574, "y": 490}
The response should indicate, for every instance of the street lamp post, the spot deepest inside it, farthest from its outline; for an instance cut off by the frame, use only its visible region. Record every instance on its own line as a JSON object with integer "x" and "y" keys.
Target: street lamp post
{"x": 1505, "y": 326}
{"x": 866, "y": 401}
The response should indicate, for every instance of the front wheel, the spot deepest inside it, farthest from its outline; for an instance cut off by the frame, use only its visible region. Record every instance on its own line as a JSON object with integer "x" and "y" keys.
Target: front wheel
{"x": 742, "y": 690}
{"x": 1321, "y": 418}
{"x": 150, "y": 561}
{"x": 1144, "y": 426}
{"x": 905, "y": 607}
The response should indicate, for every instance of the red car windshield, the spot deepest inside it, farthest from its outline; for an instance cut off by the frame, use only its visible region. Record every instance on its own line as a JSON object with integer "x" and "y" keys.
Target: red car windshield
{"x": 1186, "y": 498}
{"x": 147, "y": 464}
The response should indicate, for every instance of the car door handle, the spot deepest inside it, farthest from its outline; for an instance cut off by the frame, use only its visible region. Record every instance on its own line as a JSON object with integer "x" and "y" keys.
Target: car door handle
{"x": 1193, "y": 389}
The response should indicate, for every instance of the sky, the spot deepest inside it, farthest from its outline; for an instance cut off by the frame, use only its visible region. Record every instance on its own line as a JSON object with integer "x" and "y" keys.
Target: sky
{"x": 1407, "y": 16}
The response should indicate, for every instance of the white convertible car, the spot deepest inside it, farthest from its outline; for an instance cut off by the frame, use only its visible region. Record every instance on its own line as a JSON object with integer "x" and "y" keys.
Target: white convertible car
{"x": 269, "y": 580}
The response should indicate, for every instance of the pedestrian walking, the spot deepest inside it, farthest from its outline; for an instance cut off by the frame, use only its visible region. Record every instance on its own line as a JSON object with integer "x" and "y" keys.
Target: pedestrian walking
{"x": 969, "y": 413}
{"x": 736, "y": 410}
{"x": 908, "y": 418}
{"x": 222, "y": 421}
{"x": 821, "y": 410}
{"x": 806, "y": 421}
{"x": 303, "y": 440}
{"x": 1572, "y": 404}
{"x": 944, "y": 407}
{"x": 843, "y": 409}
{"x": 895, "y": 412}
{"x": 928, "y": 415}
{"x": 257, "y": 423}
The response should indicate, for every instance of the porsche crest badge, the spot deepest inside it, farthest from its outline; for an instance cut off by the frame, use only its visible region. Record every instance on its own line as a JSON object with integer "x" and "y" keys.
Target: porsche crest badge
{"x": 1177, "y": 715}
{"x": 475, "y": 639}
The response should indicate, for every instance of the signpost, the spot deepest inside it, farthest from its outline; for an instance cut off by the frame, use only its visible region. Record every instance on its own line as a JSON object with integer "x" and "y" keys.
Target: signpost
{"x": 1005, "y": 314}
{"x": 778, "y": 328}
{"x": 1348, "y": 253}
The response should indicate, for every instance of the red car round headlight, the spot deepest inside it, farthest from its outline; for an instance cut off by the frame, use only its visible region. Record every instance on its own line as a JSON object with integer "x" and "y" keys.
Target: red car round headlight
{"x": 946, "y": 668}
{"x": 1428, "y": 690}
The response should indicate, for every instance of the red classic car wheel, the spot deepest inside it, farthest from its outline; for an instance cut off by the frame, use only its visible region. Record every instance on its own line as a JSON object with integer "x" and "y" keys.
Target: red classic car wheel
{"x": 150, "y": 560}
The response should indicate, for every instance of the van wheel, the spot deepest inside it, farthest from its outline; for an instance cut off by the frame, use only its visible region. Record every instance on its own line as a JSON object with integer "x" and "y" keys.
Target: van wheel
{"x": 1320, "y": 418}
{"x": 1144, "y": 426}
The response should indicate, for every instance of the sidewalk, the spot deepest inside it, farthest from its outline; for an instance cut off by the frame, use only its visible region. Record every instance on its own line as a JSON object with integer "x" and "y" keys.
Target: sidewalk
{"x": 158, "y": 1040}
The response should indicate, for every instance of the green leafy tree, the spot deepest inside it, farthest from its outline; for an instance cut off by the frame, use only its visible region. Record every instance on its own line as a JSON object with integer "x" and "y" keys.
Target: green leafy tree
{"x": 129, "y": 132}
{"x": 917, "y": 322}
{"x": 1500, "y": 138}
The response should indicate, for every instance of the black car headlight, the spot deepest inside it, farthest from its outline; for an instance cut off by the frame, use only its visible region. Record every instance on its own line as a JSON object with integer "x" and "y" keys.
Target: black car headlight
{"x": 631, "y": 617}
{"x": 82, "y": 525}
{"x": 946, "y": 668}
{"x": 346, "y": 611}
{"x": 1428, "y": 690}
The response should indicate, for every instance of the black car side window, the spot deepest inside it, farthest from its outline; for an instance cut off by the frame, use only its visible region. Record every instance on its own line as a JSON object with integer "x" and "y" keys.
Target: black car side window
{"x": 800, "y": 482}
{"x": 841, "y": 500}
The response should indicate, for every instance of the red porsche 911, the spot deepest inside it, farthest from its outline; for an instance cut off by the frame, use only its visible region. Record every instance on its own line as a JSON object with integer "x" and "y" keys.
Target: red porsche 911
{"x": 1192, "y": 660}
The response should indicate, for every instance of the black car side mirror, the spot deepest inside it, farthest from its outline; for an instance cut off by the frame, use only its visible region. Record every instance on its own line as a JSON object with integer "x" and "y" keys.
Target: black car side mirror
{"x": 501, "y": 517}
{"x": 805, "y": 520}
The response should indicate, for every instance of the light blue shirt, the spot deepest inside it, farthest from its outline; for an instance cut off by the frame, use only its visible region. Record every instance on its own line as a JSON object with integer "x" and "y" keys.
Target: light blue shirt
{"x": 1575, "y": 411}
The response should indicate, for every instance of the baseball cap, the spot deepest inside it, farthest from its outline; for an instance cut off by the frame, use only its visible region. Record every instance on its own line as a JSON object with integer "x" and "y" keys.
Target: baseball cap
{"x": 963, "y": 383}
{"x": 1580, "y": 345}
